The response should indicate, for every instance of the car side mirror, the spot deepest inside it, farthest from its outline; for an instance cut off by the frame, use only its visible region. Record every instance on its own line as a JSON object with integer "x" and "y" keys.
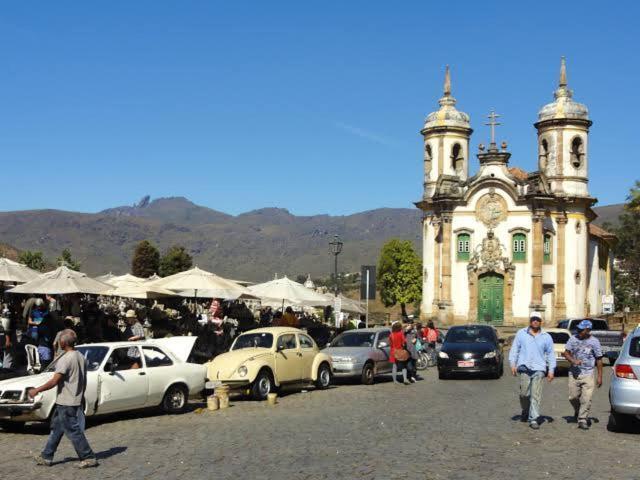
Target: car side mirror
{"x": 110, "y": 368}
{"x": 279, "y": 348}
{"x": 383, "y": 344}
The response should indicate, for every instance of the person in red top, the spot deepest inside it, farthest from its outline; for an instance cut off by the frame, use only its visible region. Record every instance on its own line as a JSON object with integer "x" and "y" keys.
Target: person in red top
{"x": 397, "y": 342}
{"x": 430, "y": 333}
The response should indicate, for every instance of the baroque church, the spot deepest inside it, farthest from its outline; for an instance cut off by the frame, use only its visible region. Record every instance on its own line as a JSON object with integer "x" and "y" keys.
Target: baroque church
{"x": 503, "y": 242}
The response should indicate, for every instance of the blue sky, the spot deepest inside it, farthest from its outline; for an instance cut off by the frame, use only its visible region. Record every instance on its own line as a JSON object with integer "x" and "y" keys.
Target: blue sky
{"x": 310, "y": 106}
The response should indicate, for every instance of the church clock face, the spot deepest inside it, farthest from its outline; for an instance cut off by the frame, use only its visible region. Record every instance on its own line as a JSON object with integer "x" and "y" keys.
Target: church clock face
{"x": 491, "y": 209}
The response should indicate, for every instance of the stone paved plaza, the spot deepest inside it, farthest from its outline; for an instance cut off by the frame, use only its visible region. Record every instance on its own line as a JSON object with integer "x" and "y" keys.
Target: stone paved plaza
{"x": 435, "y": 429}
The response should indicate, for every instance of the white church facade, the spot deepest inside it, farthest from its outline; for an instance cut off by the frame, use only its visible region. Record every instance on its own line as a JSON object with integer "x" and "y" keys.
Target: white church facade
{"x": 503, "y": 242}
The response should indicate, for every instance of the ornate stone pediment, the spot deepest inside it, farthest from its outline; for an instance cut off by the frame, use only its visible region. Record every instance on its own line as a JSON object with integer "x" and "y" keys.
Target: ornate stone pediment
{"x": 488, "y": 256}
{"x": 491, "y": 209}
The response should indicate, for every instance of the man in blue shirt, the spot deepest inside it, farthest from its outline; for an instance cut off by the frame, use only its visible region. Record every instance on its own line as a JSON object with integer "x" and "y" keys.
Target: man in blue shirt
{"x": 584, "y": 353}
{"x": 532, "y": 357}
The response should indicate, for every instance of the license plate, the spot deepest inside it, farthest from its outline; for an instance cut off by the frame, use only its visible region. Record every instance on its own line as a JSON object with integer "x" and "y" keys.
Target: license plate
{"x": 212, "y": 385}
{"x": 465, "y": 363}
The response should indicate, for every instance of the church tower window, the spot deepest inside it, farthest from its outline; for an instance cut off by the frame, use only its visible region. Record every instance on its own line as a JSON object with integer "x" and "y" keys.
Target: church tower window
{"x": 546, "y": 249}
{"x": 456, "y": 158}
{"x": 519, "y": 247}
{"x": 544, "y": 154}
{"x": 577, "y": 152}
{"x": 464, "y": 247}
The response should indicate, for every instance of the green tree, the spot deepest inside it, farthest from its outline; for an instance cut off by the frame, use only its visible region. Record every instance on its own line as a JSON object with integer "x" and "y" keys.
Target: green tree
{"x": 175, "y": 260}
{"x": 146, "y": 260}
{"x": 627, "y": 253}
{"x": 34, "y": 260}
{"x": 399, "y": 274}
{"x": 67, "y": 260}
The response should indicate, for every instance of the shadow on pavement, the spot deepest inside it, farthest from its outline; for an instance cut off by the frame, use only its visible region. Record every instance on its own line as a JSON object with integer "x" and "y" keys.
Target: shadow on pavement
{"x": 99, "y": 455}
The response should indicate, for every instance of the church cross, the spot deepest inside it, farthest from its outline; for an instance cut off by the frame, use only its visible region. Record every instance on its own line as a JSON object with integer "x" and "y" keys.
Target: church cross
{"x": 492, "y": 123}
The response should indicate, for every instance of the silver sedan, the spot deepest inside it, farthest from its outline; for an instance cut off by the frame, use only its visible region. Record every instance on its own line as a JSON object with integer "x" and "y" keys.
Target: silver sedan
{"x": 624, "y": 393}
{"x": 362, "y": 353}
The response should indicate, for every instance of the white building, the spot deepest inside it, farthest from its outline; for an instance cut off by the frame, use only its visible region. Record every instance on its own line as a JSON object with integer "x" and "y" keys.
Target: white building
{"x": 504, "y": 242}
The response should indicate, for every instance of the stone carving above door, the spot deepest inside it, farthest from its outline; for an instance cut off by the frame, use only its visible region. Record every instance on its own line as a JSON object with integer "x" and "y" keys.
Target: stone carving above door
{"x": 491, "y": 209}
{"x": 488, "y": 256}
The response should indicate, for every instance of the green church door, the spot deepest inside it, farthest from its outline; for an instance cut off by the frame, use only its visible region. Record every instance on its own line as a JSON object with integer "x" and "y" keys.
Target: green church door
{"x": 490, "y": 298}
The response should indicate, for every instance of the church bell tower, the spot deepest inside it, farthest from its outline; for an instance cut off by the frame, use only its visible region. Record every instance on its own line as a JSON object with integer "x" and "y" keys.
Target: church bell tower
{"x": 446, "y": 135}
{"x": 563, "y": 137}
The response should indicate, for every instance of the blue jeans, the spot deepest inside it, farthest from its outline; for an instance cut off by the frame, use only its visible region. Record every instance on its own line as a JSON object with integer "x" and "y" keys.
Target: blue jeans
{"x": 531, "y": 393}
{"x": 69, "y": 421}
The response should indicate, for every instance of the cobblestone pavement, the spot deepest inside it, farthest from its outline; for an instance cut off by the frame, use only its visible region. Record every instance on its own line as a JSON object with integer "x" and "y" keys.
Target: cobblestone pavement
{"x": 435, "y": 429}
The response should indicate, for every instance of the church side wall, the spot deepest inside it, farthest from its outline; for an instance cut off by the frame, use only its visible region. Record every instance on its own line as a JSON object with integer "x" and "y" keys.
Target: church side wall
{"x": 428, "y": 244}
{"x": 576, "y": 272}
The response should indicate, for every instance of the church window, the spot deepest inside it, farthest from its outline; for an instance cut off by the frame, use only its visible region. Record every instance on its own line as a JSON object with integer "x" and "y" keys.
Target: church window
{"x": 544, "y": 153}
{"x": 519, "y": 247}
{"x": 464, "y": 246}
{"x": 456, "y": 157}
{"x": 546, "y": 248}
{"x": 577, "y": 152}
{"x": 428, "y": 157}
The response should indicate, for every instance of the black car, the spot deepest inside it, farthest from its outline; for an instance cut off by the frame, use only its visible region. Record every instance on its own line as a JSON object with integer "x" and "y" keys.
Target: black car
{"x": 471, "y": 349}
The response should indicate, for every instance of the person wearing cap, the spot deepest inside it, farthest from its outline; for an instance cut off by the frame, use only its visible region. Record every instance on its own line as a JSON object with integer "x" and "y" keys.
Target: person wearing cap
{"x": 532, "y": 358}
{"x": 133, "y": 333}
{"x": 584, "y": 353}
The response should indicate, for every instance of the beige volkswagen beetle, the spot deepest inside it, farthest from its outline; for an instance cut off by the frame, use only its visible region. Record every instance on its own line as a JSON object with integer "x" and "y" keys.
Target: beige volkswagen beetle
{"x": 264, "y": 359}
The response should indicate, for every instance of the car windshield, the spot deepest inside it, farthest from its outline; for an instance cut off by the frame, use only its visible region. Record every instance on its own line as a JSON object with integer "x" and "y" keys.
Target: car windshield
{"x": 253, "y": 340}
{"x": 559, "y": 337}
{"x": 93, "y": 355}
{"x": 600, "y": 325}
{"x": 469, "y": 335}
{"x": 354, "y": 339}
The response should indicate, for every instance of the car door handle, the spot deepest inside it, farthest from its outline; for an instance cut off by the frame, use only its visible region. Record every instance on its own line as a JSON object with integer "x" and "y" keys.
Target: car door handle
{"x": 141, "y": 373}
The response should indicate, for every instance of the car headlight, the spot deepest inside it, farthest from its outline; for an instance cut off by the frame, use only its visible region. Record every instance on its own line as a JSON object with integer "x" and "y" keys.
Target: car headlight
{"x": 242, "y": 371}
{"x": 442, "y": 354}
{"x": 491, "y": 354}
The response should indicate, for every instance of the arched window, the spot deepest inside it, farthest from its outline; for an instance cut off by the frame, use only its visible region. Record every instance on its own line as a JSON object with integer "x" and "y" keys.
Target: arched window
{"x": 546, "y": 248}
{"x": 577, "y": 152}
{"x": 544, "y": 154}
{"x": 464, "y": 247}
{"x": 428, "y": 157}
{"x": 519, "y": 247}
{"x": 456, "y": 157}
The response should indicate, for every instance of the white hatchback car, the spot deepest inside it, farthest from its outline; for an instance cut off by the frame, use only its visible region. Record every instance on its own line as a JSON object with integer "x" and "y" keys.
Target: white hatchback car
{"x": 120, "y": 376}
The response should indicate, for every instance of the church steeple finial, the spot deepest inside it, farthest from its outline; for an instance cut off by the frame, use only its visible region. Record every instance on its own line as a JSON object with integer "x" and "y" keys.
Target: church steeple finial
{"x": 563, "y": 72}
{"x": 447, "y": 82}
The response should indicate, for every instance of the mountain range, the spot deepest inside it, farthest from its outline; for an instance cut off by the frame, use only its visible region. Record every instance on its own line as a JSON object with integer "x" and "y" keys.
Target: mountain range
{"x": 252, "y": 246}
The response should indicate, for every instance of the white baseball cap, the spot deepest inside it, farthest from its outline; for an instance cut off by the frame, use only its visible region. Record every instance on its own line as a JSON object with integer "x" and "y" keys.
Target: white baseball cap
{"x": 535, "y": 315}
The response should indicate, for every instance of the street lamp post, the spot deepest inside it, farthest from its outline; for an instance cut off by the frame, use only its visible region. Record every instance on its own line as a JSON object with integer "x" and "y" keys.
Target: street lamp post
{"x": 336, "y": 248}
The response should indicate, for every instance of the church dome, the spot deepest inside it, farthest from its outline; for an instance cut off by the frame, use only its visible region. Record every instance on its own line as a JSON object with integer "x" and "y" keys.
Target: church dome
{"x": 309, "y": 283}
{"x": 448, "y": 115}
{"x": 564, "y": 106}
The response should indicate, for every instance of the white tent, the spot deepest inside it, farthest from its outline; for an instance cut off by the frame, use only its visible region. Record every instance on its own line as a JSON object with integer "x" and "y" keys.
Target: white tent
{"x": 192, "y": 282}
{"x": 126, "y": 279}
{"x": 15, "y": 272}
{"x": 62, "y": 281}
{"x": 284, "y": 290}
{"x": 106, "y": 278}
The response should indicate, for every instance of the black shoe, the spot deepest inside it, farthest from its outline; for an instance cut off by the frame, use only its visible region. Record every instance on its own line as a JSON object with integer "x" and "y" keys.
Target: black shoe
{"x": 524, "y": 417}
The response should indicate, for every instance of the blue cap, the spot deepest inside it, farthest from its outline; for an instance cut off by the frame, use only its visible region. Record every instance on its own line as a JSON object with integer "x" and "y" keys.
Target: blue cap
{"x": 585, "y": 324}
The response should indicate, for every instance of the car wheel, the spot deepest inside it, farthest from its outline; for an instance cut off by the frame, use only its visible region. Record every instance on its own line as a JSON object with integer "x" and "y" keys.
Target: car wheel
{"x": 368, "y": 375}
{"x": 619, "y": 422}
{"x": 262, "y": 385}
{"x": 12, "y": 427}
{"x": 442, "y": 375}
{"x": 324, "y": 377}
{"x": 175, "y": 399}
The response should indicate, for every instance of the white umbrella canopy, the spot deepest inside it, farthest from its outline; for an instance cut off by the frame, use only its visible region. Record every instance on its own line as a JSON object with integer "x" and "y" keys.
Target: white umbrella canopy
{"x": 15, "y": 272}
{"x": 106, "y": 278}
{"x": 191, "y": 283}
{"x": 347, "y": 304}
{"x": 285, "y": 290}
{"x": 140, "y": 291}
{"x": 127, "y": 278}
{"x": 62, "y": 281}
